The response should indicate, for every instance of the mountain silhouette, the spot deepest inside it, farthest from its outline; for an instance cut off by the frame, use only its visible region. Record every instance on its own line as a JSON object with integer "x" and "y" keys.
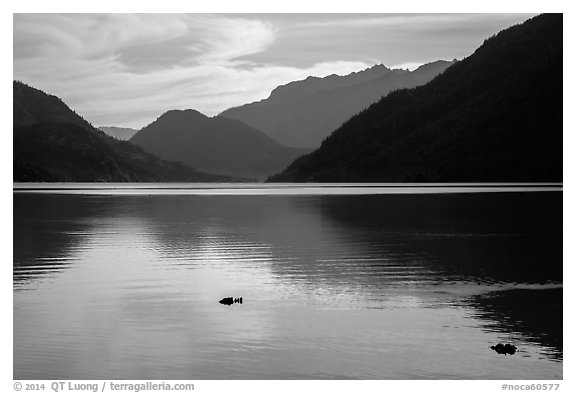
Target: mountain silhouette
{"x": 54, "y": 144}
{"x": 32, "y": 106}
{"x": 215, "y": 145}
{"x": 303, "y": 113}
{"x": 495, "y": 116}
{"x": 120, "y": 133}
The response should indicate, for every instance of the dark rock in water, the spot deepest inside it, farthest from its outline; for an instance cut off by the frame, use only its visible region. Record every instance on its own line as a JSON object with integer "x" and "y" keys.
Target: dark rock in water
{"x": 230, "y": 300}
{"x": 502, "y": 349}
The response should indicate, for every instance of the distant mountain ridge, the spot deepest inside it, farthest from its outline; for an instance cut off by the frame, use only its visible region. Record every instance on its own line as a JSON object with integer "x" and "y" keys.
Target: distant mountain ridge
{"x": 216, "y": 145}
{"x": 120, "y": 133}
{"x": 495, "y": 116}
{"x": 303, "y": 113}
{"x": 54, "y": 144}
{"x": 313, "y": 84}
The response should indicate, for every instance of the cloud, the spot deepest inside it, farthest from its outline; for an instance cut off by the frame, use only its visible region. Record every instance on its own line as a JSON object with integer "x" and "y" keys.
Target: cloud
{"x": 226, "y": 38}
{"x": 391, "y": 39}
{"x": 410, "y": 21}
{"x": 84, "y": 36}
{"x": 126, "y": 69}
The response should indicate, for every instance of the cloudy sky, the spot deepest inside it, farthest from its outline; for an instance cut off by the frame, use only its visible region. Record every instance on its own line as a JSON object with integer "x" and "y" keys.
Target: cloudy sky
{"x": 127, "y": 69}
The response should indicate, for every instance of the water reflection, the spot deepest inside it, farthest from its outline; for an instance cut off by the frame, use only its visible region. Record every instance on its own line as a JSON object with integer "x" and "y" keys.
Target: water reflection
{"x": 536, "y": 315}
{"x": 494, "y": 237}
{"x": 48, "y": 233}
{"x": 137, "y": 279}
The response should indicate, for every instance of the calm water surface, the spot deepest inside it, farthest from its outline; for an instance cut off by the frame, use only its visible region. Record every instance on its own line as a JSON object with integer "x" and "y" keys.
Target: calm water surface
{"x": 334, "y": 286}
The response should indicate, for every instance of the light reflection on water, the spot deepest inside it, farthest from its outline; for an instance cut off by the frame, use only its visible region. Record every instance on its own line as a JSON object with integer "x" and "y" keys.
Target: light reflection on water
{"x": 381, "y": 286}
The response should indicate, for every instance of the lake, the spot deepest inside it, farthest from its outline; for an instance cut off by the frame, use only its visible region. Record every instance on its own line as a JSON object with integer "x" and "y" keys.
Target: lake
{"x": 124, "y": 282}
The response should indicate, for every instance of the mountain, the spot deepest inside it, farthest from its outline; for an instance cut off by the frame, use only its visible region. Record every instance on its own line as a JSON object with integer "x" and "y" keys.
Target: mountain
{"x": 52, "y": 143}
{"x": 32, "y": 106}
{"x": 120, "y": 133}
{"x": 303, "y": 113}
{"x": 495, "y": 116}
{"x": 216, "y": 145}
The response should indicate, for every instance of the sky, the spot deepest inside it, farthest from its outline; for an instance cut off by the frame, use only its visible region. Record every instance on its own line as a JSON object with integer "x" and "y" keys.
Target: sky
{"x": 127, "y": 69}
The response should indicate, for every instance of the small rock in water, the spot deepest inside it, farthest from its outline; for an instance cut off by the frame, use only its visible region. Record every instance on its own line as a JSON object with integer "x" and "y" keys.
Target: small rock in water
{"x": 230, "y": 300}
{"x": 502, "y": 349}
